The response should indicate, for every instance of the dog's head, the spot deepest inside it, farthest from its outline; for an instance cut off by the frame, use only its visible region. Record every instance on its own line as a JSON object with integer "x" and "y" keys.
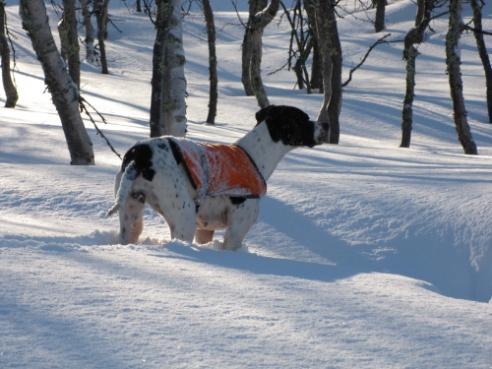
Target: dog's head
{"x": 292, "y": 126}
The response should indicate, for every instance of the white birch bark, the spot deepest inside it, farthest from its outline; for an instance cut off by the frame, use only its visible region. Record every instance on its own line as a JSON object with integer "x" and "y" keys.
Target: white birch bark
{"x": 453, "y": 62}
{"x": 172, "y": 116}
{"x": 90, "y": 50}
{"x": 64, "y": 92}
{"x": 8, "y": 83}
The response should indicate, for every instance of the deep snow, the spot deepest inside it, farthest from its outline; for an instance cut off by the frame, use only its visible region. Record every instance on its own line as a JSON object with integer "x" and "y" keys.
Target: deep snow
{"x": 365, "y": 255}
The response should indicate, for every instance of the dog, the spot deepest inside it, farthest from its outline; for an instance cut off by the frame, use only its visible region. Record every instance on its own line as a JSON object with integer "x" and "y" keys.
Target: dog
{"x": 199, "y": 188}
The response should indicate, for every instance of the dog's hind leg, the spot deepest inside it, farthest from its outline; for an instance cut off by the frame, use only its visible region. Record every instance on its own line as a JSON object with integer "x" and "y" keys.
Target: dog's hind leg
{"x": 179, "y": 210}
{"x": 182, "y": 222}
{"x": 204, "y": 236}
{"x": 131, "y": 218}
{"x": 240, "y": 219}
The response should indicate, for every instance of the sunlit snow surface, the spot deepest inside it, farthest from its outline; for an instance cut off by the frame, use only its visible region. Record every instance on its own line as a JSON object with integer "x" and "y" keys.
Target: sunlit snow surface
{"x": 365, "y": 255}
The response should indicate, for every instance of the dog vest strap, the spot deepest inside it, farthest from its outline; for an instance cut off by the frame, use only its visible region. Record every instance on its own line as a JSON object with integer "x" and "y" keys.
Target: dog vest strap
{"x": 178, "y": 156}
{"x": 258, "y": 173}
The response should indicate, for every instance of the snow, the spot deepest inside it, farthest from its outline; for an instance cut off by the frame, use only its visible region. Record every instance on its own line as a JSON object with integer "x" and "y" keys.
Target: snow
{"x": 365, "y": 255}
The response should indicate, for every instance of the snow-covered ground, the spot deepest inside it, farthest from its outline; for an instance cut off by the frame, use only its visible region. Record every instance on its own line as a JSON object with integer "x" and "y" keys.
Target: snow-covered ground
{"x": 365, "y": 255}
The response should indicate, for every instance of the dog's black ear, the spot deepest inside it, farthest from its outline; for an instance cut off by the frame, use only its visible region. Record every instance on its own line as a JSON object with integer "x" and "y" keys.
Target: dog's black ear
{"x": 287, "y": 124}
{"x": 264, "y": 113}
{"x": 291, "y": 114}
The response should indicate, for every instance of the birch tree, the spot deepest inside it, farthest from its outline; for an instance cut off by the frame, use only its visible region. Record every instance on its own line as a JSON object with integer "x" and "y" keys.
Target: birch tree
{"x": 453, "y": 62}
{"x": 331, "y": 60}
{"x": 90, "y": 51}
{"x": 11, "y": 95}
{"x": 212, "y": 61}
{"x": 64, "y": 92}
{"x": 316, "y": 81}
{"x": 70, "y": 40}
{"x": 260, "y": 15}
{"x": 379, "y": 19}
{"x": 482, "y": 51}
{"x": 101, "y": 12}
{"x": 413, "y": 37}
{"x": 168, "y": 107}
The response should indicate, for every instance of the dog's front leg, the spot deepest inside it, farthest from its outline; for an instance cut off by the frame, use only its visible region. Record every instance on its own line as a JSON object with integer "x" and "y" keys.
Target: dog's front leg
{"x": 179, "y": 210}
{"x": 131, "y": 218}
{"x": 240, "y": 219}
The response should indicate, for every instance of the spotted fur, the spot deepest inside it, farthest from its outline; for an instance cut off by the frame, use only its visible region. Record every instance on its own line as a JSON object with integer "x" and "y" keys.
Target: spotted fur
{"x": 153, "y": 172}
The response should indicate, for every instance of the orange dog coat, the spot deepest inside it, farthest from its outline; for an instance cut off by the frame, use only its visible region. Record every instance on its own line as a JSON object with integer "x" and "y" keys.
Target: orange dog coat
{"x": 221, "y": 170}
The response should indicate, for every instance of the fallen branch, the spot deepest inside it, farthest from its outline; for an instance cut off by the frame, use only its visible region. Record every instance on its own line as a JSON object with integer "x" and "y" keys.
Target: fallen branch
{"x": 83, "y": 108}
{"x": 378, "y": 42}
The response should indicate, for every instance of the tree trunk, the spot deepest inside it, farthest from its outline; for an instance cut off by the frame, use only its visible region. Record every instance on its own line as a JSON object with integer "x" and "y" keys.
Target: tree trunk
{"x": 212, "y": 61}
{"x": 455, "y": 82}
{"x": 410, "y": 53}
{"x": 407, "y": 112}
{"x": 63, "y": 90}
{"x": 247, "y": 48}
{"x": 155, "y": 99}
{"x": 11, "y": 95}
{"x": 255, "y": 69}
{"x": 379, "y": 20}
{"x": 168, "y": 107}
{"x": 482, "y": 50}
{"x": 331, "y": 59}
{"x": 101, "y": 11}
{"x": 252, "y": 48}
{"x": 316, "y": 75}
{"x": 421, "y": 5}
{"x": 335, "y": 107}
{"x": 139, "y": 6}
{"x": 90, "y": 51}
{"x": 70, "y": 40}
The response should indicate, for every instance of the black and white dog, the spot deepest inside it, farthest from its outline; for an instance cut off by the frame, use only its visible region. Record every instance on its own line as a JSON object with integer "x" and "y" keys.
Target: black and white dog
{"x": 185, "y": 183}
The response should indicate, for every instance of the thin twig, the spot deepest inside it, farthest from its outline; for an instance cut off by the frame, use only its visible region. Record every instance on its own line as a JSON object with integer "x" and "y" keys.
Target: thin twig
{"x": 126, "y": 6}
{"x": 478, "y": 31}
{"x": 234, "y": 4}
{"x": 439, "y": 15}
{"x": 148, "y": 11}
{"x": 83, "y": 108}
{"x": 378, "y": 42}
{"x": 114, "y": 25}
{"x": 186, "y": 12}
{"x": 57, "y": 8}
{"x": 278, "y": 69}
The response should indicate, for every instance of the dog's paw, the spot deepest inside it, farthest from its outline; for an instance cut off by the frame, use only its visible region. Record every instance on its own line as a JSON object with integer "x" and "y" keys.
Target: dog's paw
{"x": 220, "y": 246}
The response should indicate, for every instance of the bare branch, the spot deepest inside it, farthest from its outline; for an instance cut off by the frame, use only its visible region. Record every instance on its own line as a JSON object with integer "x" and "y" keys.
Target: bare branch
{"x": 83, "y": 108}
{"x": 126, "y": 6}
{"x": 378, "y": 42}
{"x": 438, "y": 15}
{"x": 114, "y": 25}
{"x": 478, "y": 31}
{"x": 234, "y": 4}
{"x": 278, "y": 69}
{"x": 148, "y": 11}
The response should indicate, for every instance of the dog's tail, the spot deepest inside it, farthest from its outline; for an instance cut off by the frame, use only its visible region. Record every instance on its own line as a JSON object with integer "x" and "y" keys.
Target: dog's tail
{"x": 124, "y": 188}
